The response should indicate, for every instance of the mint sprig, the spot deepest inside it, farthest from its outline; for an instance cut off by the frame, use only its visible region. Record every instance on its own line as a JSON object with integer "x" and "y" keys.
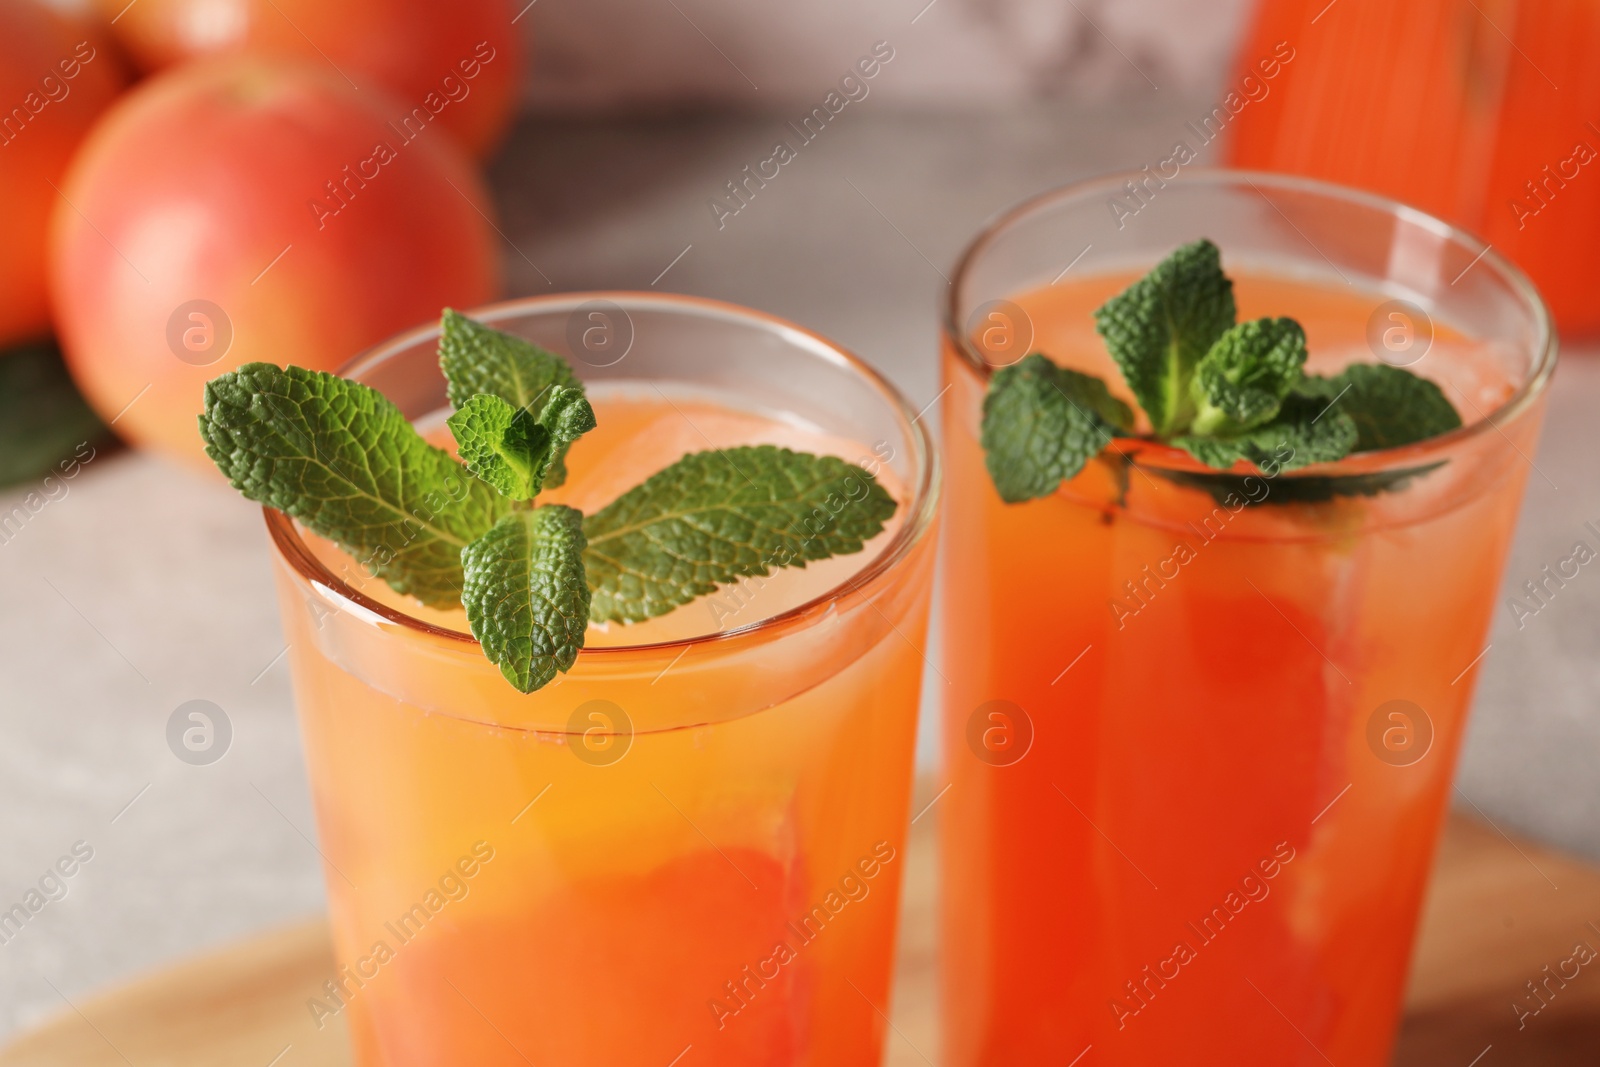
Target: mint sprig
{"x": 1222, "y": 391}
{"x": 344, "y": 461}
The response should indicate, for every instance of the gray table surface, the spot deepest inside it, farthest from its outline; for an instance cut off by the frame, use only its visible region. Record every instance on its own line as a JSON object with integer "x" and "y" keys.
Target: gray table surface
{"x": 146, "y": 587}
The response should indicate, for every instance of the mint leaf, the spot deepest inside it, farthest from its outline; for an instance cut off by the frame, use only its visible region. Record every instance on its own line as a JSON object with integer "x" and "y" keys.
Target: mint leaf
{"x": 1162, "y": 325}
{"x": 342, "y": 459}
{"x": 478, "y": 359}
{"x": 1243, "y": 379}
{"x": 1306, "y": 489}
{"x": 525, "y": 594}
{"x": 511, "y": 449}
{"x": 502, "y": 445}
{"x": 1305, "y": 431}
{"x": 1391, "y": 406}
{"x": 715, "y": 517}
{"x": 1042, "y": 423}
{"x": 567, "y": 414}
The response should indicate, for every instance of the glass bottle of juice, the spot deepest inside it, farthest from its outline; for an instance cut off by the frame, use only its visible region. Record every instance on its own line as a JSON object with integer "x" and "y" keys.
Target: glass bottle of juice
{"x": 687, "y": 848}
{"x": 1201, "y": 725}
{"x": 1480, "y": 113}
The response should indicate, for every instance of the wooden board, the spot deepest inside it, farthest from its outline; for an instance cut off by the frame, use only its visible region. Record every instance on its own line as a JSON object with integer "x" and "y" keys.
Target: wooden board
{"x": 1499, "y": 910}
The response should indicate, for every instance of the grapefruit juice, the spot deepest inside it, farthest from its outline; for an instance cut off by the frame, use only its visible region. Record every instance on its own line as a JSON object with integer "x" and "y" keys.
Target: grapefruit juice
{"x": 690, "y": 845}
{"x": 1201, "y": 728}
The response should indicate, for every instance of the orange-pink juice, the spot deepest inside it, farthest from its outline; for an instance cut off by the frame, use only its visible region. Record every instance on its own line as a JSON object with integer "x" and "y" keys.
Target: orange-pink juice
{"x": 1185, "y": 824}
{"x": 687, "y": 849}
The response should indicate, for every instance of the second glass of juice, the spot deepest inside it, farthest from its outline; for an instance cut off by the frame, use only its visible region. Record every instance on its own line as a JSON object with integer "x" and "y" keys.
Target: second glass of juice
{"x": 1201, "y": 726}
{"x": 687, "y": 849}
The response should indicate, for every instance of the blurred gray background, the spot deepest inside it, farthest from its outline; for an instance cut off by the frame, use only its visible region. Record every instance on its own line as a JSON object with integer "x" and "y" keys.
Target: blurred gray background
{"x": 146, "y": 586}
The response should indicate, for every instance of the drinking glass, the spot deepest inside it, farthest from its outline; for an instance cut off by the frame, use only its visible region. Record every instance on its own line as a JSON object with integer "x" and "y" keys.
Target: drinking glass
{"x": 1201, "y": 725}
{"x": 686, "y": 849}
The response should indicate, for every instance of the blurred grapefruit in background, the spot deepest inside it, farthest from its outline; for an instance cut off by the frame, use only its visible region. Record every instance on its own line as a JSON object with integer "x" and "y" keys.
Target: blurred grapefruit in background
{"x": 460, "y": 61}
{"x": 56, "y": 75}
{"x": 244, "y": 209}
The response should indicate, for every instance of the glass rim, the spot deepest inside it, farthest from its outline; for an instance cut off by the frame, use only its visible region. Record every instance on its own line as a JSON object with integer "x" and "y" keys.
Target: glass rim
{"x": 921, "y": 507}
{"x": 1533, "y": 384}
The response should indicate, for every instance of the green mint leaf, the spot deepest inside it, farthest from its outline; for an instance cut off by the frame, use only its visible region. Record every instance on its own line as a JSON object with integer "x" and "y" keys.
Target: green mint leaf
{"x": 1306, "y": 489}
{"x": 525, "y": 594}
{"x": 1242, "y": 381}
{"x": 342, "y": 459}
{"x": 1391, "y": 406}
{"x": 567, "y": 414}
{"x": 501, "y": 444}
{"x": 714, "y": 517}
{"x": 1162, "y": 325}
{"x": 1306, "y": 431}
{"x": 478, "y": 359}
{"x": 1042, "y": 423}
{"x": 511, "y": 449}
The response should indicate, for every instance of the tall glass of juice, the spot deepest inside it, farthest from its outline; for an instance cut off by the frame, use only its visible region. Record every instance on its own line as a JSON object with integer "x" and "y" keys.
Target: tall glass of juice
{"x": 1201, "y": 725}
{"x": 688, "y": 848}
